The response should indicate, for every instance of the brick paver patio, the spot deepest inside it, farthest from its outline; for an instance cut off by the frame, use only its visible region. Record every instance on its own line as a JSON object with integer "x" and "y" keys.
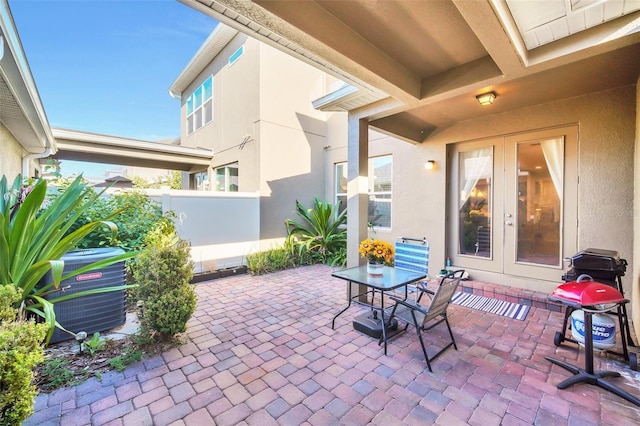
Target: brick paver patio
{"x": 261, "y": 351}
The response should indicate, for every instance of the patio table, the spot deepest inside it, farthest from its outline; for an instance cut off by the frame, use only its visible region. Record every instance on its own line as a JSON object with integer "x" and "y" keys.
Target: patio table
{"x": 391, "y": 279}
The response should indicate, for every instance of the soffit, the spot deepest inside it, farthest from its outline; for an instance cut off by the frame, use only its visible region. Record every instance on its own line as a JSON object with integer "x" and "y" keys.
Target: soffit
{"x": 544, "y": 21}
{"x": 402, "y": 50}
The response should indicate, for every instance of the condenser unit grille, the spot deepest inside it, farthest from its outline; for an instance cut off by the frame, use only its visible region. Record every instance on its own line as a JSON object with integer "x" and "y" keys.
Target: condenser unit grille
{"x": 95, "y": 313}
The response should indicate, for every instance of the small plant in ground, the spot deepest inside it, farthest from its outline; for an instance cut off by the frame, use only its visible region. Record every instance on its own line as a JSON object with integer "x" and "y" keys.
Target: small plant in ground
{"x": 128, "y": 357}
{"x": 95, "y": 344}
{"x": 55, "y": 372}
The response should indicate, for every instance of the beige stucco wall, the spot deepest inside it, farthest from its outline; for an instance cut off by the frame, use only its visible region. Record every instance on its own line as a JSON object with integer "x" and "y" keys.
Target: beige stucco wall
{"x": 12, "y": 152}
{"x": 606, "y": 121}
{"x": 292, "y": 137}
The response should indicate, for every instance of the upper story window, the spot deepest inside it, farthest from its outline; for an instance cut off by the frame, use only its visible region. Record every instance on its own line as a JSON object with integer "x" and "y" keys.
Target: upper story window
{"x": 236, "y": 55}
{"x": 227, "y": 178}
{"x": 200, "y": 106}
{"x": 380, "y": 184}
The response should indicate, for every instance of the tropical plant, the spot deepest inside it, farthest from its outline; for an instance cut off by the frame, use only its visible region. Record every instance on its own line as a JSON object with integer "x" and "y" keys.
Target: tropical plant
{"x": 35, "y": 235}
{"x": 320, "y": 230}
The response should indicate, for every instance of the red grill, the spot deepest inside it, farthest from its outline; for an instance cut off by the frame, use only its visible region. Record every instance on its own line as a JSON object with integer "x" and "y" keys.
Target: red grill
{"x": 588, "y": 293}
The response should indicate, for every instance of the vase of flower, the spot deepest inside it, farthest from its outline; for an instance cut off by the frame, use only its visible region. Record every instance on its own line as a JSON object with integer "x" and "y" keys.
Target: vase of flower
{"x": 377, "y": 253}
{"x": 375, "y": 267}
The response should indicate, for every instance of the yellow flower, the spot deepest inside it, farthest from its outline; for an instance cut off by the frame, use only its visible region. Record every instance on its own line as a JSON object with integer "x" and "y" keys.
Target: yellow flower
{"x": 376, "y": 250}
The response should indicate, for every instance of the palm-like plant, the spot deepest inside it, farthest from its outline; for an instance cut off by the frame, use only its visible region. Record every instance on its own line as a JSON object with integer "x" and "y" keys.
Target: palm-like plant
{"x": 34, "y": 237}
{"x": 320, "y": 229}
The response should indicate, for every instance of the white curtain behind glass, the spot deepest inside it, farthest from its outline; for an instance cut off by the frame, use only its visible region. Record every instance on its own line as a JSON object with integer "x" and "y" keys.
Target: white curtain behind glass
{"x": 474, "y": 165}
{"x": 553, "y": 150}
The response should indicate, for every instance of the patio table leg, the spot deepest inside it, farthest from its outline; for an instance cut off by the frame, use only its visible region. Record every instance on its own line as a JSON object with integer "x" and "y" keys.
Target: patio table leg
{"x": 333, "y": 322}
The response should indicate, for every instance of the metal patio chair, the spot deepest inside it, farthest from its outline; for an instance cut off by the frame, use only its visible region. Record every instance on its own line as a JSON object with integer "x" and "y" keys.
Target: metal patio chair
{"x": 424, "y": 318}
{"x": 412, "y": 254}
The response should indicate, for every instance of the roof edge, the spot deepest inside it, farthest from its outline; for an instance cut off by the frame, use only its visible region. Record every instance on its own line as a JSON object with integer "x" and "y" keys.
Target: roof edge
{"x": 15, "y": 69}
{"x": 212, "y": 46}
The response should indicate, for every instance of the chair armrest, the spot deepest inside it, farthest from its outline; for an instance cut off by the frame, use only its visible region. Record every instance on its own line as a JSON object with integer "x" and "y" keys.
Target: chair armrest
{"x": 411, "y": 305}
{"x": 422, "y": 286}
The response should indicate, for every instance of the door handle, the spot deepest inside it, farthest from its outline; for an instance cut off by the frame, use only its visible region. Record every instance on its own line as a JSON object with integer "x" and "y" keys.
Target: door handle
{"x": 508, "y": 222}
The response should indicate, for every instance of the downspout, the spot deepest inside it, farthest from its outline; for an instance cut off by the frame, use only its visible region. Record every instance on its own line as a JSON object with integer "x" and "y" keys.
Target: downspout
{"x": 27, "y": 158}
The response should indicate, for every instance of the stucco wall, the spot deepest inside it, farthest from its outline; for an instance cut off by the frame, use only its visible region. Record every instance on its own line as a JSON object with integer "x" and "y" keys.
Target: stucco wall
{"x": 11, "y": 157}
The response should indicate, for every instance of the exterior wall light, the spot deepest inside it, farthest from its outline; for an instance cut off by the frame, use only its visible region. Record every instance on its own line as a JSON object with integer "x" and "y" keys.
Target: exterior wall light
{"x": 430, "y": 165}
{"x": 486, "y": 98}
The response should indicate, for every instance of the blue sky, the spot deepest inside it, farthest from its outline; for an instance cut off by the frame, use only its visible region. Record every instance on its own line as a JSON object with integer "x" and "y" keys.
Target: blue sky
{"x": 105, "y": 66}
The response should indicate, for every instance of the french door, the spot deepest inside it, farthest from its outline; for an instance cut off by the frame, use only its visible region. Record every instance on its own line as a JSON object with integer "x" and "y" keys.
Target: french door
{"x": 513, "y": 203}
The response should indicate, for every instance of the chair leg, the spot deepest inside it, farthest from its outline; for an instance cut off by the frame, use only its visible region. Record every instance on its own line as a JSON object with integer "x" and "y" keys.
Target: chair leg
{"x": 453, "y": 340}
{"x": 424, "y": 349}
{"x": 419, "y": 332}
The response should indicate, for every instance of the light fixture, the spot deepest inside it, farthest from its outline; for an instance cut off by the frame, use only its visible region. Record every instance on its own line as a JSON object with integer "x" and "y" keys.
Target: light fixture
{"x": 486, "y": 98}
{"x": 430, "y": 165}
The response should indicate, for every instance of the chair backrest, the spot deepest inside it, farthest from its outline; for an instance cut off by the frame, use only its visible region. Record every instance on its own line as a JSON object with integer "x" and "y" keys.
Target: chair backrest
{"x": 444, "y": 294}
{"x": 412, "y": 254}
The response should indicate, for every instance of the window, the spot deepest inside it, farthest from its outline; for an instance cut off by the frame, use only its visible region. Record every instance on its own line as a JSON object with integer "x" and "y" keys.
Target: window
{"x": 380, "y": 186}
{"x": 201, "y": 181}
{"x": 227, "y": 178}
{"x": 236, "y": 55}
{"x": 200, "y": 106}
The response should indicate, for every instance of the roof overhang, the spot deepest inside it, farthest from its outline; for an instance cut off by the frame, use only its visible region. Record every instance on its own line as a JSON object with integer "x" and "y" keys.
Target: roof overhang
{"x": 425, "y": 62}
{"x": 21, "y": 109}
{"x": 93, "y": 147}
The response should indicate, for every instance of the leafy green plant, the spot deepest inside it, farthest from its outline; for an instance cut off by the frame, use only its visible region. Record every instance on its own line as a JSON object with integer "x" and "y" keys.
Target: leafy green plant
{"x": 95, "y": 344}
{"x": 134, "y": 214}
{"x": 320, "y": 230}
{"x": 163, "y": 272}
{"x": 128, "y": 357}
{"x": 20, "y": 352}
{"x": 55, "y": 373}
{"x": 33, "y": 238}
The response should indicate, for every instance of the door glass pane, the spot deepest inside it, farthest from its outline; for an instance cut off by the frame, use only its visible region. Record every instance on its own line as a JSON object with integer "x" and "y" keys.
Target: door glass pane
{"x": 474, "y": 204}
{"x": 540, "y": 177}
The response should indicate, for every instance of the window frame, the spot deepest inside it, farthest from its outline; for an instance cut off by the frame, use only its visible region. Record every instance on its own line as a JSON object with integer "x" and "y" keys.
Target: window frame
{"x": 227, "y": 177}
{"x": 372, "y": 193}
{"x": 199, "y": 106}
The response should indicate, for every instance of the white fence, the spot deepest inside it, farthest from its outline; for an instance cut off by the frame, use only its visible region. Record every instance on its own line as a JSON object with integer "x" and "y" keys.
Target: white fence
{"x": 222, "y": 227}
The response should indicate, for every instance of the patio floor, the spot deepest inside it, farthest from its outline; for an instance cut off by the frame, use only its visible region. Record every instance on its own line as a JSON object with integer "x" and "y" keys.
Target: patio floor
{"x": 261, "y": 351}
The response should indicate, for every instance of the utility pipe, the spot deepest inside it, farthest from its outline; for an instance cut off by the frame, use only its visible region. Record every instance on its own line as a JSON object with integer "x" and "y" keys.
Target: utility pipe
{"x": 27, "y": 158}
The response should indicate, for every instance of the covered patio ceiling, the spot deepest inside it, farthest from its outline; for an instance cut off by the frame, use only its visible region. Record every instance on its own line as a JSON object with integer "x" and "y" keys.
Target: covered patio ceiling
{"x": 419, "y": 65}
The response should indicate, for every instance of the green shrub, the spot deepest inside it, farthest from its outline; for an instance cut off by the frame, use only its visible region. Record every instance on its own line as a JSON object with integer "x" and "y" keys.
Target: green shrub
{"x": 133, "y": 212}
{"x": 20, "y": 352}
{"x": 163, "y": 272}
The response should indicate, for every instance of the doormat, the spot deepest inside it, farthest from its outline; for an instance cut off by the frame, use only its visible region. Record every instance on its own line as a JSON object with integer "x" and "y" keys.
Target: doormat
{"x": 494, "y": 306}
